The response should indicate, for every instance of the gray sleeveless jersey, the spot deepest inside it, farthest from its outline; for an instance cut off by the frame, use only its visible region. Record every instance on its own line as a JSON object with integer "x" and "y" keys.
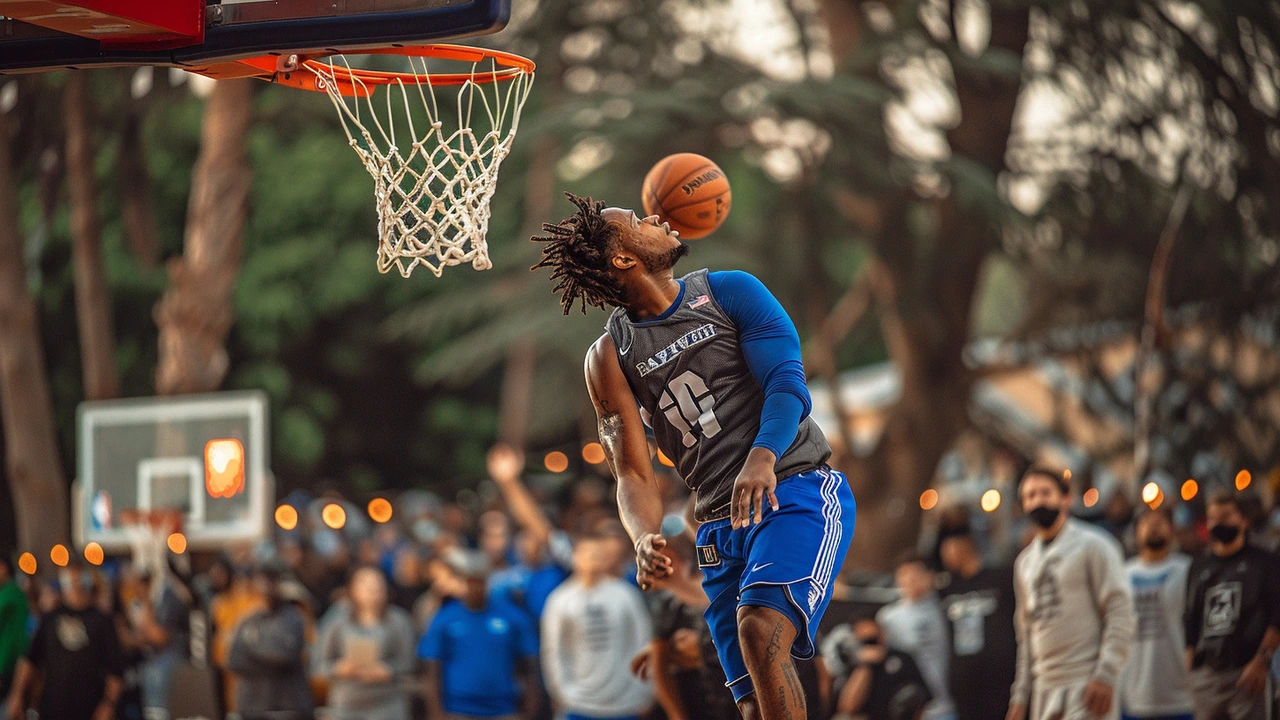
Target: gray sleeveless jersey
{"x": 695, "y": 390}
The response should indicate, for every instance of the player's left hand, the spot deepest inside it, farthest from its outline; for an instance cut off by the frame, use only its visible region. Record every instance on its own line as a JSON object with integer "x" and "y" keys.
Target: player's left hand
{"x": 755, "y": 481}
{"x": 1098, "y": 698}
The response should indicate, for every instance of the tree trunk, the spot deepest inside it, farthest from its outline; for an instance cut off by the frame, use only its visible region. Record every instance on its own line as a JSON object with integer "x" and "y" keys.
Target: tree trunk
{"x": 196, "y": 312}
{"x": 924, "y": 301}
{"x": 93, "y": 301}
{"x": 137, "y": 213}
{"x": 35, "y": 471}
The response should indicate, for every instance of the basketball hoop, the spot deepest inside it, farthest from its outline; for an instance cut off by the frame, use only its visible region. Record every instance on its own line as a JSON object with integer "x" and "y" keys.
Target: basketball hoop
{"x": 433, "y": 181}
{"x": 148, "y": 533}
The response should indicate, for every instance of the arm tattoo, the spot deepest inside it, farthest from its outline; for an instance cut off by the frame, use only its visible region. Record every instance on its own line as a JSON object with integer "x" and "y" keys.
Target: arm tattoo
{"x": 610, "y": 428}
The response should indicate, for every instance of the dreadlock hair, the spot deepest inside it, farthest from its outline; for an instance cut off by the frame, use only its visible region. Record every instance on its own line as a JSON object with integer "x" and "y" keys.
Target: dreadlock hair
{"x": 577, "y": 251}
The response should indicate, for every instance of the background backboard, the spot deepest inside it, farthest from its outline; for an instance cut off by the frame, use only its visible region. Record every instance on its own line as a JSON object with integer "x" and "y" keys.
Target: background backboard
{"x": 85, "y": 33}
{"x": 150, "y": 453}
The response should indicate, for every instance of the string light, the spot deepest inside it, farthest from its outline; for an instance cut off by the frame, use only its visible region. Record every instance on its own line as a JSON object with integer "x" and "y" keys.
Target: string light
{"x": 1150, "y": 492}
{"x": 27, "y": 563}
{"x": 928, "y": 499}
{"x": 93, "y": 554}
{"x": 334, "y": 516}
{"x": 593, "y": 453}
{"x": 556, "y": 461}
{"x": 1090, "y": 497}
{"x": 177, "y": 543}
{"x": 59, "y": 555}
{"x": 380, "y": 510}
{"x": 1243, "y": 478}
{"x": 990, "y": 500}
{"x": 1189, "y": 489}
{"x": 286, "y": 517}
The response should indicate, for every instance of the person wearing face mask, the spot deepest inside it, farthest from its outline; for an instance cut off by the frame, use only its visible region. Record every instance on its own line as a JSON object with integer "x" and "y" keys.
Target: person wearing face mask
{"x": 1232, "y": 619}
{"x": 1154, "y": 683}
{"x": 1074, "y": 612}
{"x": 268, "y": 654}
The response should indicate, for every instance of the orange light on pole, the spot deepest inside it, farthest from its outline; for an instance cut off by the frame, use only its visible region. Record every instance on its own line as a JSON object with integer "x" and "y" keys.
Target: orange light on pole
{"x": 380, "y": 510}
{"x": 27, "y": 563}
{"x": 1090, "y": 497}
{"x": 177, "y": 543}
{"x": 1189, "y": 490}
{"x": 93, "y": 554}
{"x": 59, "y": 555}
{"x": 224, "y": 467}
{"x": 334, "y": 516}
{"x": 556, "y": 461}
{"x": 593, "y": 453}
{"x": 990, "y": 500}
{"x": 286, "y": 517}
{"x": 1243, "y": 478}
{"x": 928, "y": 499}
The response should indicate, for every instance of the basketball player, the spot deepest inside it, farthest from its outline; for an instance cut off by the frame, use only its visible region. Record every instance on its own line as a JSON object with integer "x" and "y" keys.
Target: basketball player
{"x": 711, "y": 363}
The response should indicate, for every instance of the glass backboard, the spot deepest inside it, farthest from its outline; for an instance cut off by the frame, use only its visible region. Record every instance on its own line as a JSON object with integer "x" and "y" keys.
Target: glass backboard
{"x": 167, "y": 453}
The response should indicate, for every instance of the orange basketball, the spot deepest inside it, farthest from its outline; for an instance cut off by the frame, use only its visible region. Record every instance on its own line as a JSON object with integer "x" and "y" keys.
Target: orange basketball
{"x": 689, "y": 192}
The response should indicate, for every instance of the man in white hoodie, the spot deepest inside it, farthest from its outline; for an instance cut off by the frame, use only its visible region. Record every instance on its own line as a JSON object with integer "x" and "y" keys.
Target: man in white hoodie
{"x": 1074, "y": 616}
{"x": 592, "y": 626}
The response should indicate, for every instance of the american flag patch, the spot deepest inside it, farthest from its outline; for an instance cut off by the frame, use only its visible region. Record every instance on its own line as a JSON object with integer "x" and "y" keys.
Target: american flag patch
{"x": 700, "y": 301}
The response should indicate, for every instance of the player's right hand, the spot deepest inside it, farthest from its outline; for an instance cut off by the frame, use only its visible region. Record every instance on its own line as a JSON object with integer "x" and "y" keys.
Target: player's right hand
{"x": 651, "y": 563}
{"x": 1017, "y": 711}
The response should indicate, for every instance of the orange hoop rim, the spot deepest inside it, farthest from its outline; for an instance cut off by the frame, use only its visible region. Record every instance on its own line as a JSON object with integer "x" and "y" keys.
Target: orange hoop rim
{"x": 288, "y": 69}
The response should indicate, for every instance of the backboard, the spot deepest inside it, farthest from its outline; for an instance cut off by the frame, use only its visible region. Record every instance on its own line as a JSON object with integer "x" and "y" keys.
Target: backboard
{"x": 38, "y": 35}
{"x": 204, "y": 455}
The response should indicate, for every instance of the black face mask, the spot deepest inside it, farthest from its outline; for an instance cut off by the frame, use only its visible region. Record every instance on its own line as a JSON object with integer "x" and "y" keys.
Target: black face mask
{"x": 1225, "y": 534}
{"x": 869, "y": 642}
{"x": 1157, "y": 543}
{"x": 1043, "y": 516}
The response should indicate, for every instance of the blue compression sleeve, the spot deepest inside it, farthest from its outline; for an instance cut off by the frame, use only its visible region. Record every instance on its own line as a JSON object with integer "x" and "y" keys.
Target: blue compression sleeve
{"x": 771, "y": 348}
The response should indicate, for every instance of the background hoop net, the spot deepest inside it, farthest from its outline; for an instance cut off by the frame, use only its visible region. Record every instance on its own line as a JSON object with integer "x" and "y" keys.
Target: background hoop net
{"x": 434, "y": 160}
{"x": 148, "y": 532}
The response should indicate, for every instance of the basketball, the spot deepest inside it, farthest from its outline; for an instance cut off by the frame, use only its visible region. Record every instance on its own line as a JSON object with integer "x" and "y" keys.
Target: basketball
{"x": 689, "y": 192}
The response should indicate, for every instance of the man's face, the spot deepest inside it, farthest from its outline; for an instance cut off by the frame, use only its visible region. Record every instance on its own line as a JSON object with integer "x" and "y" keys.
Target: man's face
{"x": 955, "y": 552}
{"x": 592, "y": 556}
{"x": 914, "y": 580}
{"x": 476, "y": 590}
{"x": 75, "y": 595}
{"x": 1225, "y": 514}
{"x": 1154, "y": 530}
{"x": 650, "y": 240}
{"x": 868, "y": 632}
{"x": 1040, "y": 491}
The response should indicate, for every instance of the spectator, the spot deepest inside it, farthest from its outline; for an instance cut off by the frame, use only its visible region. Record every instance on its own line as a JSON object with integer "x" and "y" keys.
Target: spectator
{"x": 365, "y": 652}
{"x": 681, "y": 659}
{"x": 160, "y": 623}
{"x": 1153, "y": 685}
{"x": 1074, "y": 611}
{"x": 979, "y": 606}
{"x": 593, "y": 625}
{"x": 228, "y": 609}
{"x": 1232, "y": 618}
{"x": 13, "y": 624}
{"x": 74, "y": 658}
{"x": 914, "y": 625}
{"x": 876, "y": 681}
{"x": 267, "y": 655}
{"x": 543, "y": 552}
{"x": 481, "y": 655}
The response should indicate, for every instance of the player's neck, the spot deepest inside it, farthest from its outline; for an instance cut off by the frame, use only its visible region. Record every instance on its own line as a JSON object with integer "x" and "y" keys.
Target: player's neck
{"x": 648, "y": 296}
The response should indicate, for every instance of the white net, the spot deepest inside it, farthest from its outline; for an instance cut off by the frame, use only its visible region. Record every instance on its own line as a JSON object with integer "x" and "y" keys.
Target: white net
{"x": 433, "y": 175}
{"x": 148, "y": 532}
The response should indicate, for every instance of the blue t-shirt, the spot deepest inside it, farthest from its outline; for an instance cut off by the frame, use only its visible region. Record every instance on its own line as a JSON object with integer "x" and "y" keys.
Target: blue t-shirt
{"x": 478, "y": 653}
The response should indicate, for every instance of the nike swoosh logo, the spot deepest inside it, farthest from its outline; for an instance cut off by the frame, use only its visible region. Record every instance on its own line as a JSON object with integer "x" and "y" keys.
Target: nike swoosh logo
{"x": 758, "y": 568}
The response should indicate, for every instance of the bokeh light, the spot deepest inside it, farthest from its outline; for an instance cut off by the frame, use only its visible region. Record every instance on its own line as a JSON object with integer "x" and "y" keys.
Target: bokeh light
{"x": 286, "y": 517}
{"x": 59, "y": 555}
{"x": 1243, "y": 478}
{"x": 380, "y": 510}
{"x": 1066, "y": 475}
{"x": 1090, "y": 497}
{"x": 556, "y": 461}
{"x": 1189, "y": 489}
{"x": 93, "y": 554}
{"x": 27, "y": 563}
{"x": 177, "y": 543}
{"x": 990, "y": 500}
{"x": 665, "y": 460}
{"x": 593, "y": 453}
{"x": 1158, "y": 501}
{"x": 928, "y": 499}
{"x": 1150, "y": 492}
{"x": 334, "y": 516}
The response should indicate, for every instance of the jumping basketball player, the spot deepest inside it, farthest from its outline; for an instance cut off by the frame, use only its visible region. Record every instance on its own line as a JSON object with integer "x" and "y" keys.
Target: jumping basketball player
{"x": 711, "y": 362}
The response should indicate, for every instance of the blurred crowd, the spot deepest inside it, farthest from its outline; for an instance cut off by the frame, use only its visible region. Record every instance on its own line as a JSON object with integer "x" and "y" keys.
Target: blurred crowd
{"x": 525, "y": 606}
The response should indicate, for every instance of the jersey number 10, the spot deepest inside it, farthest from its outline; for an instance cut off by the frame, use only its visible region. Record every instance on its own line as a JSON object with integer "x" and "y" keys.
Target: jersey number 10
{"x": 688, "y": 402}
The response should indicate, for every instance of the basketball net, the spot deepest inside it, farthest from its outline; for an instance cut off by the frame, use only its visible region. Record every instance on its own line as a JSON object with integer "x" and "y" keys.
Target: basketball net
{"x": 148, "y": 533}
{"x": 432, "y": 185}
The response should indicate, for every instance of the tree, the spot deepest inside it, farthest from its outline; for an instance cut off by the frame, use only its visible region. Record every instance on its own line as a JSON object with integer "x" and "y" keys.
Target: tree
{"x": 196, "y": 313}
{"x": 35, "y": 472}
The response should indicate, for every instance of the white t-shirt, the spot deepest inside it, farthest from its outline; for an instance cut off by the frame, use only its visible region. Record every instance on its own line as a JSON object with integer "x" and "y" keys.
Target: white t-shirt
{"x": 589, "y": 636}
{"x": 918, "y": 629}
{"x": 1154, "y": 681}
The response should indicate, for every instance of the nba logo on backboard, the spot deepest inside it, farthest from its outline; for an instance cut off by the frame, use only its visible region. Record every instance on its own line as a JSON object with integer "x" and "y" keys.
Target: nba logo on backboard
{"x": 100, "y": 513}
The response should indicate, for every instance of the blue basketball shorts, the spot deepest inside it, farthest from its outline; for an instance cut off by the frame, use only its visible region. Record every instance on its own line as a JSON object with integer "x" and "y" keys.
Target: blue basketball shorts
{"x": 786, "y": 562}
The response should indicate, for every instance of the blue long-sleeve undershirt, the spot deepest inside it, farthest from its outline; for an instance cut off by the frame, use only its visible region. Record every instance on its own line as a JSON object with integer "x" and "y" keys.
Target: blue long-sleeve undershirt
{"x": 771, "y": 347}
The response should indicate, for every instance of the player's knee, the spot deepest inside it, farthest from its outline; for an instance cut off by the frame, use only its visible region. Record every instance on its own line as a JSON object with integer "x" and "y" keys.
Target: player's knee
{"x": 760, "y": 627}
